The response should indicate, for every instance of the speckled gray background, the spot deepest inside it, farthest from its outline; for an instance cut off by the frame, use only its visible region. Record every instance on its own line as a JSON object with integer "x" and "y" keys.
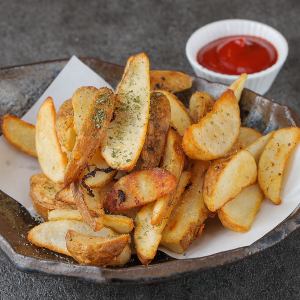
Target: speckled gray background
{"x": 112, "y": 30}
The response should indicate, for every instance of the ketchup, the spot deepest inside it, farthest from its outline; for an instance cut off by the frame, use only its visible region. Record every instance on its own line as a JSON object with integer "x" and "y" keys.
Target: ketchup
{"x": 234, "y": 55}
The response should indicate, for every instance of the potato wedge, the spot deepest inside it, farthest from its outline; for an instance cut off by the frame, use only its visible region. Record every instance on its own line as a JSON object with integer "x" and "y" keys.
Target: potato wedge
{"x": 51, "y": 158}
{"x": 216, "y": 133}
{"x": 139, "y": 188}
{"x": 239, "y": 213}
{"x": 127, "y": 132}
{"x": 65, "y": 195}
{"x": 257, "y": 147}
{"x": 98, "y": 173}
{"x": 91, "y": 134}
{"x": 65, "y": 126}
{"x": 186, "y": 220}
{"x": 200, "y": 104}
{"x": 273, "y": 161}
{"x": 158, "y": 126}
{"x": 173, "y": 161}
{"x": 81, "y": 102}
{"x": 118, "y": 223}
{"x": 52, "y": 235}
{"x": 247, "y": 136}
{"x": 238, "y": 86}
{"x": 226, "y": 178}
{"x": 42, "y": 193}
{"x": 171, "y": 81}
{"x": 93, "y": 250}
{"x": 180, "y": 119}
{"x": 19, "y": 133}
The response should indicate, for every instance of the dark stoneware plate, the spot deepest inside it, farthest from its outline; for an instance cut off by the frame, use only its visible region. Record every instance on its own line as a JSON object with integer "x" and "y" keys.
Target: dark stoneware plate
{"x": 19, "y": 88}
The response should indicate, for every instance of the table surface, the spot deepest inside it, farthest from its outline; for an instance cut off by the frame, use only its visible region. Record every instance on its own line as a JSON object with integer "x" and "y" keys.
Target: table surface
{"x": 32, "y": 31}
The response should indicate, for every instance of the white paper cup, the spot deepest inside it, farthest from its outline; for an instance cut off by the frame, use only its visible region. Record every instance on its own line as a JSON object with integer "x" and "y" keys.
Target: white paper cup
{"x": 259, "y": 82}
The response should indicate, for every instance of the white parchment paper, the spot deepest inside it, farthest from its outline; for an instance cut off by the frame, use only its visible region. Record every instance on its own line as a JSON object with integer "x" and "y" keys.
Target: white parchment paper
{"x": 16, "y": 169}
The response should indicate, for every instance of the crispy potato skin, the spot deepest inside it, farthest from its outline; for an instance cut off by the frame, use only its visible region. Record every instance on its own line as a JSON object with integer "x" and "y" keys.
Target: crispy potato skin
{"x": 92, "y": 132}
{"x": 273, "y": 161}
{"x": 200, "y": 104}
{"x": 91, "y": 250}
{"x": 19, "y": 134}
{"x": 205, "y": 140}
{"x": 158, "y": 126}
{"x": 171, "y": 81}
{"x": 139, "y": 188}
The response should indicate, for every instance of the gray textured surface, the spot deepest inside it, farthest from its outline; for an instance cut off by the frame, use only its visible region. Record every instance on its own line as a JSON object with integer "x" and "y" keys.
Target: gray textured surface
{"x": 40, "y": 30}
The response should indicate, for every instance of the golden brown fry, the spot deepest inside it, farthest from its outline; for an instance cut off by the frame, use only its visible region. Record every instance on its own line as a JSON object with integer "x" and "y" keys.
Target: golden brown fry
{"x": 238, "y": 86}
{"x": 158, "y": 126}
{"x": 19, "y": 133}
{"x": 273, "y": 161}
{"x": 51, "y": 158}
{"x": 200, "y": 104}
{"x": 216, "y": 133}
{"x": 65, "y": 126}
{"x": 139, "y": 188}
{"x": 171, "y": 81}
{"x": 93, "y": 250}
{"x": 91, "y": 134}
{"x": 226, "y": 178}
{"x": 247, "y": 136}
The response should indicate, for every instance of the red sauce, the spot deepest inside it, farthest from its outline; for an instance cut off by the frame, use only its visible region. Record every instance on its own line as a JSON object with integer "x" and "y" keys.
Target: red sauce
{"x": 234, "y": 55}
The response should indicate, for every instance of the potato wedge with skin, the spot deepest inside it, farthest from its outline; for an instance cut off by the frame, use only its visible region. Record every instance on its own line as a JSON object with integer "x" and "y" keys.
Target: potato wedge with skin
{"x": 173, "y": 161}
{"x": 180, "y": 118}
{"x": 52, "y": 235}
{"x": 127, "y": 132}
{"x": 51, "y": 158}
{"x": 118, "y": 223}
{"x": 139, "y": 188}
{"x": 93, "y": 250}
{"x": 247, "y": 136}
{"x": 98, "y": 173}
{"x": 65, "y": 126}
{"x": 81, "y": 101}
{"x": 238, "y": 86}
{"x": 239, "y": 213}
{"x": 226, "y": 178}
{"x": 187, "y": 219}
{"x": 171, "y": 81}
{"x": 216, "y": 133}
{"x": 19, "y": 134}
{"x": 91, "y": 134}
{"x": 257, "y": 147}
{"x": 158, "y": 126}
{"x": 200, "y": 104}
{"x": 273, "y": 161}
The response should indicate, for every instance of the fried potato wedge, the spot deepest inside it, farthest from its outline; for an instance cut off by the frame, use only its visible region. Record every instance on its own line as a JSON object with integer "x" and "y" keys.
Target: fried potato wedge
{"x": 52, "y": 235}
{"x": 19, "y": 133}
{"x": 171, "y": 81}
{"x": 65, "y": 126}
{"x": 65, "y": 195}
{"x": 139, "y": 188}
{"x": 257, "y": 147}
{"x": 98, "y": 173}
{"x": 247, "y": 136}
{"x": 239, "y": 213}
{"x": 173, "y": 161}
{"x": 217, "y": 132}
{"x": 226, "y": 178}
{"x": 158, "y": 126}
{"x": 186, "y": 220}
{"x": 127, "y": 132}
{"x": 273, "y": 161}
{"x": 91, "y": 134}
{"x": 200, "y": 104}
{"x": 180, "y": 118}
{"x": 43, "y": 192}
{"x": 51, "y": 158}
{"x": 81, "y": 102}
{"x": 118, "y": 223}
{"x": 93, "y": 250}
{"x": 238, "y": 86}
